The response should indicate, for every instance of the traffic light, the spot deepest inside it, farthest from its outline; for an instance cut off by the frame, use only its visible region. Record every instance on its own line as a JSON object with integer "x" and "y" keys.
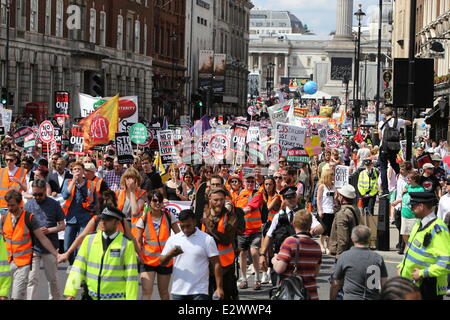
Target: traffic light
{"x": 4, "y": 98}
{"x": 95, "y": 83}
{"x": 387, "y": 86}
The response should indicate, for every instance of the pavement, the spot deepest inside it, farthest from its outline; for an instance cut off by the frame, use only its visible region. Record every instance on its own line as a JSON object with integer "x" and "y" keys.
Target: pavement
{"x": 391, "y": 259}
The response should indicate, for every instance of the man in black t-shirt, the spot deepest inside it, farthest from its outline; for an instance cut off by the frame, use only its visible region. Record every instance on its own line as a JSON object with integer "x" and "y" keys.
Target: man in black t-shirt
{"x": 151, "y": 180}
{"x": 429, "y": 181}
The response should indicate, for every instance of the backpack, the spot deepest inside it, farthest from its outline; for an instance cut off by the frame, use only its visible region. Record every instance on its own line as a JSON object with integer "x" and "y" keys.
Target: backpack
{"x": 292, "y": 288}
{"x": 283, "y": 230}
{"x": 391, "y": 137}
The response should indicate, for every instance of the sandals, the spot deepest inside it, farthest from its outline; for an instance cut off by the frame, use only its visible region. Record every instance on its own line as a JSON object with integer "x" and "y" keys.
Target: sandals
{"x": 243, "y": 284}
{"x": 257, "y": 285}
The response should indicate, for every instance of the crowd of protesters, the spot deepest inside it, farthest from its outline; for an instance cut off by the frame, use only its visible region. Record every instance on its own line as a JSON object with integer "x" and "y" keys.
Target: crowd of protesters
{"x": 250, "y": 222}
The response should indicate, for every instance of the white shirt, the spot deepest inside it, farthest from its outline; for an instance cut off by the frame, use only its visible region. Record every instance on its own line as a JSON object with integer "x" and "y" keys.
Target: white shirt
{"x": 13, "y": 173}
{"x": 444, "y": 206}
{"x": 363, "y": 154}
{"x": 191, "y": 268}
{"x": 274, "y": 223}
{"x": 427, "y": 219}
{"x": 401, "y": 184}
{"x": 391, "y": 121}
{"x": 60, "y": 178}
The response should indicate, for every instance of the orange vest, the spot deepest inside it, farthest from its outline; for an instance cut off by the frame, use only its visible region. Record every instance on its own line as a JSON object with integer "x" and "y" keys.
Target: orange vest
{"x": 154, "y": 243}
{"x": 226, "y": 252}
{"x": 88, "y": 202}
{"x": 18, "y": 240}
{"x": 121, "y": 197}
{"x": 96, "y": 183}
{"x": 253, "y": 218}
{"x": 272, "y": 213}
{"x": 6, "y": 184}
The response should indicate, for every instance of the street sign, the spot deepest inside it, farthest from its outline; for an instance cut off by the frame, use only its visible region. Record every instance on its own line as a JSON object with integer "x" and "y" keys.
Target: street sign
{"x": 46, "y": 131}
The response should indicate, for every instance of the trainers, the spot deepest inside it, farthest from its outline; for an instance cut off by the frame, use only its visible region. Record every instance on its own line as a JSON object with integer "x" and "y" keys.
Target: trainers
{"x": 384, "y": 195}
{"x": 265, "y": 278}
{"x": 448, "y": 293}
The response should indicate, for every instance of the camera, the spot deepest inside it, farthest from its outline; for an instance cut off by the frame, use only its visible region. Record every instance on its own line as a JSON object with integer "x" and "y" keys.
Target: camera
{"x": 330, "y": 194}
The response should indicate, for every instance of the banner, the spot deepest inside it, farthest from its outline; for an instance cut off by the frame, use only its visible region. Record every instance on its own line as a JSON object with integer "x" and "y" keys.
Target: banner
{"x": 62, "y": 99}
{"x": 166, "y": 146}
{"x": 123, "y": 148}
{"x": 175, "y": 207}
{"x": 76, "y": 141}
{"x": 128, "y": 109}
{"x": 20, "y": 134}
{"x": 289, "y": 137}
{"x": 342, "y": 174}
{"x": 205, "y": 68}
{"x": 57, "y": 137}
{"x": 277, "y": 114}
{"x": 219, "y": 73}
{"x": 29, "y": 141}
{"x": 5, "y": 119}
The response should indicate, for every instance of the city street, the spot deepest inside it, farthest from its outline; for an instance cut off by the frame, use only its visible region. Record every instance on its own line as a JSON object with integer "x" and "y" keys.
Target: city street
{"x": 391, "y": 258}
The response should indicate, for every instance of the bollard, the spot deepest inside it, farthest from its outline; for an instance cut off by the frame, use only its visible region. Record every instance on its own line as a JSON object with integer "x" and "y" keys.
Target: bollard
{"x": 383, "y": 243}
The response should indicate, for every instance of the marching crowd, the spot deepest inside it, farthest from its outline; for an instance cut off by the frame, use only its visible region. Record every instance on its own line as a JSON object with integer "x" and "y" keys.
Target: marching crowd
{"x": 118, "y": 234}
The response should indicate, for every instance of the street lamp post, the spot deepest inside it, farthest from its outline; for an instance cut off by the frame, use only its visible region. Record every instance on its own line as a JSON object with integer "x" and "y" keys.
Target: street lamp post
{"x": 359, "y": 15}
{"x": 173, "y": 38}
{"x": 8, "y": 22}
{"x": 238, "y": 63}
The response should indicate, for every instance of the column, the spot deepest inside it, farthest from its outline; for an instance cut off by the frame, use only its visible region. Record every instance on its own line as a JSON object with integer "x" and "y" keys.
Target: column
{"x": 286, "y": 62}
{"x": 275, "y": 72}
{"x": 344, "y": 18}
{"x": 260, "y": 62}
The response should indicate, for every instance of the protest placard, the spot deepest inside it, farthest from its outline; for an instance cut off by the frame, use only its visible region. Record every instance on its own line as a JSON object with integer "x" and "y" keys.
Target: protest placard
{"x": 123, "y": 148}
{"x": 289, "y": 137}
{"x": 342, "y": 174}
{"x": 166, "y": 146}
{"x": 76, "y": 141}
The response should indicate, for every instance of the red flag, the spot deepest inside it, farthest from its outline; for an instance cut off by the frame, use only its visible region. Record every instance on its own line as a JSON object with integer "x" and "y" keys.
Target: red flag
{"x": 358, "y": 137}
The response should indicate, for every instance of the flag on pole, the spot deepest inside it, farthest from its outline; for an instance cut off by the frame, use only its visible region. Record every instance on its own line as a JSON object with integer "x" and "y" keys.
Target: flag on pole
{"x": 101, "y": 126}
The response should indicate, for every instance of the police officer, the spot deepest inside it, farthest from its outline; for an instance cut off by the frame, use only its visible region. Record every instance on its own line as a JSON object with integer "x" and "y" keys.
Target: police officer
{"x": 5, "y": 272}
{"x": 107, "y": 263}
{"x": 427, "y": 258}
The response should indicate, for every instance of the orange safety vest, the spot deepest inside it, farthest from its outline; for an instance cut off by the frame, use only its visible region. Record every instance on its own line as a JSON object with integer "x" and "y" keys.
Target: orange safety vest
{"x": 272, "y": 213}
{"x": 226, "y": 252}
{"x": 88, "y": 202}
{"x": 154, "y": 242}
{"x": 18, "y": 240}
{"x": 6, "y": 184}
{"x": 253, "y": 218}
{"x": 121, "y": 197}
{"x": 95, "y": 188}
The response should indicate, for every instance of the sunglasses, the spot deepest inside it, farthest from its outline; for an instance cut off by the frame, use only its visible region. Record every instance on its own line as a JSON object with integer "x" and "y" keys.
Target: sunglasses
{"x": 10, "y": 160}
{"x": 156, "y": 201}
{"x": 278, "y": 177}
{"x": 38, "y": 194}
{"x": 234, "y": 181}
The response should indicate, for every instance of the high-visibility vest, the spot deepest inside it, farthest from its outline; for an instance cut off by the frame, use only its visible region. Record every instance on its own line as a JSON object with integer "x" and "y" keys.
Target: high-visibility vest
{"x": 96, "y": 183}
{"x": 6, "y": 184}
{"x": 272, "y": 212}
{"x": 5, "y": 272}
{"x": 226, "y": 252}
{"x": 154, "y": 242}
{"x": 433, "y": 259}
{"x": 121, "y": 197}
{"x": 252, "y": 218}
{"x": 18, "y": 239}
{"x": 367, "y": 185}
{"x": 110, "y": 274}
{"x": 88, "y": 202}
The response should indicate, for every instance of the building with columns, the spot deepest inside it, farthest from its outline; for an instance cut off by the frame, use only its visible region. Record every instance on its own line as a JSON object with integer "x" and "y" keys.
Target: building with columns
{"x": 325, "y": 59}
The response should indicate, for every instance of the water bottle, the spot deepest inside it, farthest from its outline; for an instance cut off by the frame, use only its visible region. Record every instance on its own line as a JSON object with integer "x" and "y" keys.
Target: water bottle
{"x": 215, "y": 296}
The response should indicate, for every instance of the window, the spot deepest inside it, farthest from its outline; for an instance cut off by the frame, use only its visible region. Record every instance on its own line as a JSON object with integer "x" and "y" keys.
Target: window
{"x": 92, "y": 25}
{"x": 48, "y": 16}
{"x": 3, "y": 12}
{"x": 21, "y": 15}
{"x": 59, "y": 18}
{"x": 102, "y": 28}
{"x": 34, "y": 11}
{"x": 129, "y": 34}
{"x": 137, "y": 36}
{"x": 294, "y": 61}
{"x": 308, "y": 61}
{"x": 119, "y": 32}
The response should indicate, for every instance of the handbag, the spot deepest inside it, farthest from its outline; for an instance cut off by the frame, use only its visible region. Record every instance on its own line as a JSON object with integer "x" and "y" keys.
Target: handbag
{"x": 292, "y": 288}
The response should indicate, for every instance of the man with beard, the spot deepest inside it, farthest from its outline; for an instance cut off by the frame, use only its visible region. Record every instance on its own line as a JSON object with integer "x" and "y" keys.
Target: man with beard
{"x": 108, "y": 165}
{"x": 222, "y": 225}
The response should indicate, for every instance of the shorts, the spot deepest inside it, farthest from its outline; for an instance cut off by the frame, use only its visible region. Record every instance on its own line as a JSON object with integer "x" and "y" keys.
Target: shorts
{"x": 247, "y": 241}
{"x": 157, "y": 269}
{"x": 407, "y": 226}
{"x": 392, "y": 196}
{"x": 327, "y": 223}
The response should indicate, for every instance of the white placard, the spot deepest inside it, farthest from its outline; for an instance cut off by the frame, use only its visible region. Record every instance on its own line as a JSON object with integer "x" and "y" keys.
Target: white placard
{"x": 341, "y": 178}
{"x": 253, "y": 134}
{"x": 289, "y": 137}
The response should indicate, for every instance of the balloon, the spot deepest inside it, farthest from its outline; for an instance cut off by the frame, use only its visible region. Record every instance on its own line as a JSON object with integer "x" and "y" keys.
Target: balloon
{"x": 423, "y": 125}
{"x": 310, "y": 87}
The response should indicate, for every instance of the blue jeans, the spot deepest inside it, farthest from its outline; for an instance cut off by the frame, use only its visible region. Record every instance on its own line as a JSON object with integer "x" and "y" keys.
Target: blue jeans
{"x": 70, "y": 234}
{"x": 190, "y": 297}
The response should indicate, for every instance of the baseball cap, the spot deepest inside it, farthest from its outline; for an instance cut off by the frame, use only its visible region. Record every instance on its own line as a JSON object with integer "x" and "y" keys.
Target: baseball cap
{"x": 90, "y": 167}
{"x": 428, "y": 166}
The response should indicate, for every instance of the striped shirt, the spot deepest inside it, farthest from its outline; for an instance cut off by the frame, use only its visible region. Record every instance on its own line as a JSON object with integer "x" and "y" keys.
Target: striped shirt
{"x": 309, "y": 257}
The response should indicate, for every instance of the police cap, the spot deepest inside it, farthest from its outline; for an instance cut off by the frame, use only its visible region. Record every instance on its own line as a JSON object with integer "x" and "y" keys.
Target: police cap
{"x": 422, "y": 197}
{"x": 289, "y": 192}
{"x": 112, "y": 212}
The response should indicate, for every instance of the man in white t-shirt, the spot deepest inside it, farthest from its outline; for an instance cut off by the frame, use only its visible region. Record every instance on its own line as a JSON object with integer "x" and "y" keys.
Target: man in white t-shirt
{"x": 386, "y": 156}
{"x": 193, "y": 251}
{"x": 444, "y": 202}
{"x": 363, "y": 153}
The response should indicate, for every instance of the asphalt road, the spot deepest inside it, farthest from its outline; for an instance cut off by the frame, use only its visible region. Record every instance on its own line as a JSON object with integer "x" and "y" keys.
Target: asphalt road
{"x": 391, "y": 258}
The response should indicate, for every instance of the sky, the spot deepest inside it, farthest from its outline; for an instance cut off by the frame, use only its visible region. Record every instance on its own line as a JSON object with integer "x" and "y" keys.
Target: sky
{"x": 319, "y": 15}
